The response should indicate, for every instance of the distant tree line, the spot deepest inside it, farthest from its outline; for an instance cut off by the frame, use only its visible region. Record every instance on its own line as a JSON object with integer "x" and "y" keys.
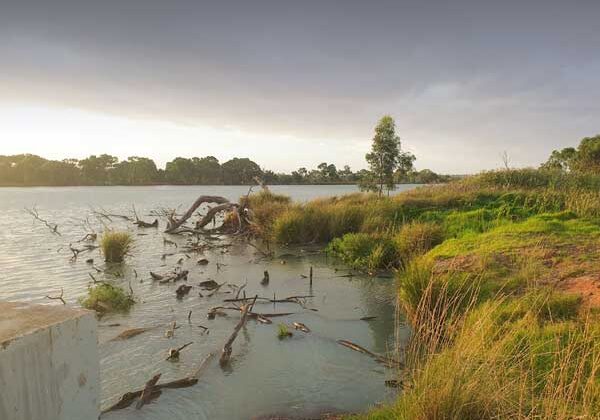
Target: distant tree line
{"x": 32, "y": 170}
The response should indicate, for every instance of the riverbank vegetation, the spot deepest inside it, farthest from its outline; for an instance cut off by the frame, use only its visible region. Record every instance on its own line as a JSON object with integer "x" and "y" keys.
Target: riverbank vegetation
{"x": 499, "y": 277}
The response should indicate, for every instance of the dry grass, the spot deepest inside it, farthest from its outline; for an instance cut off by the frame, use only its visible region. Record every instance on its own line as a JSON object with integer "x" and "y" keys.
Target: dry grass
{"x": 115, "y": 246}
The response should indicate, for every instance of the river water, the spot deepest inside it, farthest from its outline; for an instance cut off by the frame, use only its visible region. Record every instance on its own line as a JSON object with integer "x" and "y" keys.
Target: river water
{"x": 306, "y": 373}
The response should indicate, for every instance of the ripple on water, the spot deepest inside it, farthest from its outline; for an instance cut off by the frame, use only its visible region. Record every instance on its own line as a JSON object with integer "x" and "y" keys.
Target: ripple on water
{"x": 267, "y": 375}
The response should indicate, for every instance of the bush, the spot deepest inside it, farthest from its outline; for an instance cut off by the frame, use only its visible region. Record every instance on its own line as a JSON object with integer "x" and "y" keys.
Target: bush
{"x": 365, "y": 251}
{"x": 417, "y": 238}
{"x": 266, "y": 207}
{"x": 106, "y": 298}
{"x": 115, "y": 246}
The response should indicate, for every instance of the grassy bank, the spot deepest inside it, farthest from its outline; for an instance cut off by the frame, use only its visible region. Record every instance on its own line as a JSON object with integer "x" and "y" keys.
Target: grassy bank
{"x": 499, "y": 277}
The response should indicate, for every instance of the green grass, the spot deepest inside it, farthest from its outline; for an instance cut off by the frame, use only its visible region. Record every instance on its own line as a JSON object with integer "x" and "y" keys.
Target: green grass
{"x": 115, "y": 246}
{"x": 553, "y": 229}
{"x": 480, "y": 265}
{"x": 283, "y": 331}
{"x": 493, "y": 335}
{"x": 105, "y": 298}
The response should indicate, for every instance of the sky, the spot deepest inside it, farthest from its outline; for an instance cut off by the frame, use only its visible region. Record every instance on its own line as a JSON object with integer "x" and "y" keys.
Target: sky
{"x": 295, "y": 83}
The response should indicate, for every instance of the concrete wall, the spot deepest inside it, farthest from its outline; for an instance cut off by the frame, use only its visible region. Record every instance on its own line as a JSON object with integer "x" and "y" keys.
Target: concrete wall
{"x": 49, "y": 366}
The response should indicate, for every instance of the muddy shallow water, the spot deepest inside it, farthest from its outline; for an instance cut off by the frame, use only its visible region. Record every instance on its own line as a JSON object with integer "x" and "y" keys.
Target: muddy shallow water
{"x": 305, "y": 373}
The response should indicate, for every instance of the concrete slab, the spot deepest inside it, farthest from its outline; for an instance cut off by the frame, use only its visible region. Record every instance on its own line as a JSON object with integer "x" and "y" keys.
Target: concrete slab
{"x": 49, "y": 366}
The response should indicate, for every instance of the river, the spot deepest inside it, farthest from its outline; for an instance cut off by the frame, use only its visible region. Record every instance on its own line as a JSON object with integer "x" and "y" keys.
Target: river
{"x": 306, "y": 373}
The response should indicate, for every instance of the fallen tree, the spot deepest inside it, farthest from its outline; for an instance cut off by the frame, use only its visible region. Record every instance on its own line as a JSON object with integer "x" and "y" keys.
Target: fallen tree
{"x": 174, "y": 224}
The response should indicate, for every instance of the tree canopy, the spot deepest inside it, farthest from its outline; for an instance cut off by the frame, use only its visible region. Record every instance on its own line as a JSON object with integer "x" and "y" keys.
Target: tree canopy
{"x": 30, "y": 170}
{"x": 386, "y": 158}
{"x": 584, "y": 159}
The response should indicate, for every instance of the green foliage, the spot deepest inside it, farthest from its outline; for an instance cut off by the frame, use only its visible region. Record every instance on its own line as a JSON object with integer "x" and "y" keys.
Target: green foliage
{"x": 283, "y": 331}
{"x": 364, "y": 251}
{"x": 588, "y": 156}
{"x": 115, "y": 245}
{"x": 266, "y": 207}
{"x": 556, "y": 181}
{"x": 561, "y": 160}
{"x": 105, "y": 298}
{"x": 551, "y": 228}
{"x": 134, "y": 171}
{"x": 31, "y": 170}
{"x": 385, "y": 153}
{"x": 585, "y": 159}
{"x": 416, "y": 238}
{"x": 240, "y": 171}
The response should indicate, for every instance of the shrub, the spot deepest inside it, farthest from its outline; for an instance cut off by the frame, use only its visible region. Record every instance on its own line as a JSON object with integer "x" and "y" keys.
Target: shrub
{"x": 417, "y": 238}
{"x": 364, "y": 251}
{"x": 283, "y": 331}
{"x": 105, "y": 298}
{"x": 266, "y": 207}
{"x": 115, "y": 245}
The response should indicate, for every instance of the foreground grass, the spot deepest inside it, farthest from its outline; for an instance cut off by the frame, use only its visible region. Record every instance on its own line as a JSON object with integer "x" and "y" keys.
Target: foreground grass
{"x": 498, "y": 276}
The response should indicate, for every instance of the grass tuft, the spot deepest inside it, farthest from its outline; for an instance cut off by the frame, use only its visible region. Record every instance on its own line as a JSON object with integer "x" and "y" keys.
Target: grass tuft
{"x": 115, "y": 245}
{"x": 105, "y": 298}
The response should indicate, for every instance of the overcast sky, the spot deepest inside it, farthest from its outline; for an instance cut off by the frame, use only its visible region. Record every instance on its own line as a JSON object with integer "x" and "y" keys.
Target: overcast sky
{"x": 295, "y": 83}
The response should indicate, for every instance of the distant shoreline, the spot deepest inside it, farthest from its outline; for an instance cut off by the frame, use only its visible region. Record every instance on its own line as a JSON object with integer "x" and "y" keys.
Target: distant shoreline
{"x": 184, "y": 185}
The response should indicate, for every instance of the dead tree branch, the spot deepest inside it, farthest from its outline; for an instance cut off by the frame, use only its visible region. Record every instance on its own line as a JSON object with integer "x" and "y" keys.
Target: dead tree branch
{"x": 52, "y": 226}
{"x": 227, "y": 349}
{"x": 380, "y": 359}
{"x": 58, "y": 297}
{"x": 174, "y": 224}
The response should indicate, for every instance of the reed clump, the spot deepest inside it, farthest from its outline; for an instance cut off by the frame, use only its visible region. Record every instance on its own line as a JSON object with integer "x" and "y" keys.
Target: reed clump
{"x": 105, "y": 298}
{"x": 115, "y": 246}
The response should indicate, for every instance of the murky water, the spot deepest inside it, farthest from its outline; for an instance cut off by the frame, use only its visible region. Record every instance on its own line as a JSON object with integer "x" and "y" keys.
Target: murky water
{"x": 307, "y": 372}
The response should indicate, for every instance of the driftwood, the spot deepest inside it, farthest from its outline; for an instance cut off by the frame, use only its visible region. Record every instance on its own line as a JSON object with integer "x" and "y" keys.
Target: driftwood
{"x": 156, "y": 276}
{"x": 142, "y": 224}
{"x": 77, "y": 251}
{"x": 89, "y": 237}
{"x": 208, "y": 284}
{"x": 182, "y": 291}
{"x": 129, "y": 397}
{"x": 289, "y": 299}
{"x": 174, "y": 353}
{"x": 174, "y": 224}
{"x": 52, "y": 226}
{"x": 227, "y": 349}
{"x": 58, "y": 297}
{"x": 106, "y": 215}
{"x": 239, "y": 290}
{"x": 210, "y": 215}
{"x": 216, "y": 289}
{"x": 147, "y": 392}
{"x": 169, "y": 242}
{"x": 300, "y": 326}
{"x": 265, "y": 279}
{"x": 127, "y": 334}
{"x": 175, "y": 277}
{"x": 378, "y": 358}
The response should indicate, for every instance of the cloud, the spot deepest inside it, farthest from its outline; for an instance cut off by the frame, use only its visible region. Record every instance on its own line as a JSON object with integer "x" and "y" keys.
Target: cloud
{"x": 464, "y": 80}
